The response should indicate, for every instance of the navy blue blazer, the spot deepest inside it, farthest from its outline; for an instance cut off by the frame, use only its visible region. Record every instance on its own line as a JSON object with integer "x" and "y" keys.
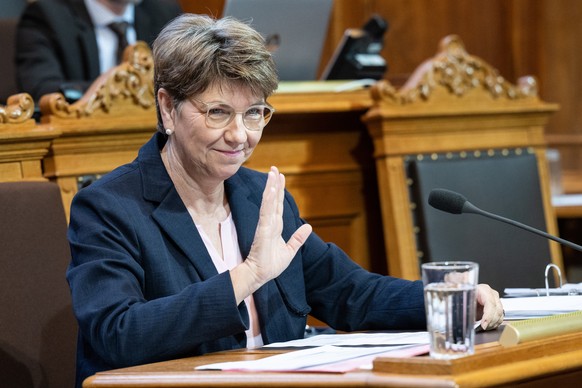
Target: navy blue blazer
{"x": 56, "y": 46}
{"x": 145, "y": 289}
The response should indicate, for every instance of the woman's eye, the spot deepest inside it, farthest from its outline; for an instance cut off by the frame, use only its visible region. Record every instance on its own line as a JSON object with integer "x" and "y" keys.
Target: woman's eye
{"x": 217, "y": 112}
{"x": 254, "y": 112}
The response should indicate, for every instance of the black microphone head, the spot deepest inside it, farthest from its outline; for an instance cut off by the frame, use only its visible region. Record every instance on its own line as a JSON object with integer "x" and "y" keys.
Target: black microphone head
{"x": 447, "y": 201}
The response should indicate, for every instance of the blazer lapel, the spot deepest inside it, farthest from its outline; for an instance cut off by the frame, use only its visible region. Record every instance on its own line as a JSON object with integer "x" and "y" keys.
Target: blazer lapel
{"x": 174, "y": 219}
{"x": 171, "y": 213}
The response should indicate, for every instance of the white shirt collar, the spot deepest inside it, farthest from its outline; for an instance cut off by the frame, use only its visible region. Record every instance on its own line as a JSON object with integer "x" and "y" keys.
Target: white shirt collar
{"x": 102, "y": 16}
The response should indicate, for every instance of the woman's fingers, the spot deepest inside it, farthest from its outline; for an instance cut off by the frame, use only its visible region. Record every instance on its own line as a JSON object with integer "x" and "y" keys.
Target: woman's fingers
{"x": 489, "y": 303}
{"x": 270, "y": 254}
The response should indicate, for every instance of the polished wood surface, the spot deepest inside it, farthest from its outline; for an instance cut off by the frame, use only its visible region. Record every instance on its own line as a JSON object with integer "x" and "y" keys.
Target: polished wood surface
{"x": 494, "y": 365}
{"x": 454, "y": 102}
{"x": 532, "y": 364}
{"x": 569, "y": 146}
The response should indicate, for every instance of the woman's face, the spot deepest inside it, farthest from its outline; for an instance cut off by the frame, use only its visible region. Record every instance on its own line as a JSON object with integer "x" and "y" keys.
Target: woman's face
{"x": 211, "y": 153}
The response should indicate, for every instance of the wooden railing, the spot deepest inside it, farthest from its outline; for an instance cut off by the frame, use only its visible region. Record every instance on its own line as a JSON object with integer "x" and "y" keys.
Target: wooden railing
{"x": 23, "y": 144}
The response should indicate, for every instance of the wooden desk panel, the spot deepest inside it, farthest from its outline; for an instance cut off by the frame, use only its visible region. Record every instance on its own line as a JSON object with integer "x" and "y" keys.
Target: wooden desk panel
{"x": 535, "y": 364}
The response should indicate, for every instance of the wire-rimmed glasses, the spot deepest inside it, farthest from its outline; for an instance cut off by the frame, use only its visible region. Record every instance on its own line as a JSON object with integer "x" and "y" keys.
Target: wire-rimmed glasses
{"x": 219, "y": 115}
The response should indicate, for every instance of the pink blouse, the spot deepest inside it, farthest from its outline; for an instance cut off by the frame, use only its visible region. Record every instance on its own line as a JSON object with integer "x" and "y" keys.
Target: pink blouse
{"x": 233, "y": 257}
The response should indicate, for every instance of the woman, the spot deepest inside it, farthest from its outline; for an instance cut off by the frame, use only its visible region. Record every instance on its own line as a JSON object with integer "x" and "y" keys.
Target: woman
{"x": 167, "y": 248}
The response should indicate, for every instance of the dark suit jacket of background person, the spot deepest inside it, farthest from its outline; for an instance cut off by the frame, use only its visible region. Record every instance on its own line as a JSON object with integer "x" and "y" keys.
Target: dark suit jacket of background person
{"x": 56, "y": 46}
{"x": 133, "y": 241}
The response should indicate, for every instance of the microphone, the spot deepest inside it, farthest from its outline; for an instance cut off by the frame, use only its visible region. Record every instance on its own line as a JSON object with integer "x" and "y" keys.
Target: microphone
{"x": 455, "y": 203}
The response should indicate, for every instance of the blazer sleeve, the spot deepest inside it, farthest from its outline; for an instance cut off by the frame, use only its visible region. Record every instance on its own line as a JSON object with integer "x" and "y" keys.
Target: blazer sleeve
{"x": 348, "y": 297}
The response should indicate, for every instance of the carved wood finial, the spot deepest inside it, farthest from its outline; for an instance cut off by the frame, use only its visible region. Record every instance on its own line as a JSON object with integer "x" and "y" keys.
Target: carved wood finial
{"x": 130, "y": 83}
{"x": 19, "y": 108}
{"x": 458, "y": 72}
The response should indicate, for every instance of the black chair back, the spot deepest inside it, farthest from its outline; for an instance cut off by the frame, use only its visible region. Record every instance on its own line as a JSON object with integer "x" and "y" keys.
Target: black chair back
{"x": 504, "y": 182}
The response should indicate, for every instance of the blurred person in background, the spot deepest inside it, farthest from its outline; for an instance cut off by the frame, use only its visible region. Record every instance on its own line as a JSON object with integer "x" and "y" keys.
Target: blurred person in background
{"x": 64, "y": 45}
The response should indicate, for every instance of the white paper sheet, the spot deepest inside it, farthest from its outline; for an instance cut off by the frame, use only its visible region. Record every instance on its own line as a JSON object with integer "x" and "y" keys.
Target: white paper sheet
{"x": 332, "y": 359}
{"x": 566, "y": 289}
{"x": 357, "y": 339}
{"x": 532, "y": 307}
{"x": 567, "y": 200}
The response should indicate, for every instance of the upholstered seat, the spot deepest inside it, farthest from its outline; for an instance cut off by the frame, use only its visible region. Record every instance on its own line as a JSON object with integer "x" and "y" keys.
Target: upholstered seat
{"x": 37, "y": 327}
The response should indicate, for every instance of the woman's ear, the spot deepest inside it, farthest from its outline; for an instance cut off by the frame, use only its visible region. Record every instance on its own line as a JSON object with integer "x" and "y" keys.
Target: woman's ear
{"x": 166, "y": 106}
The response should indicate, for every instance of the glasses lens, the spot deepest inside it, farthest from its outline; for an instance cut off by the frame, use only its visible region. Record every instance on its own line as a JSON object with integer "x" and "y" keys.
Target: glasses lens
{"x": 218, "y": 116}
{"x": 256, "y": 117}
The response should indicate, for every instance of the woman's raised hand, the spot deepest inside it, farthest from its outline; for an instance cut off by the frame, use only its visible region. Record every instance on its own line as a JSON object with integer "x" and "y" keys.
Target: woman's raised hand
{"x": 270, "y": 254}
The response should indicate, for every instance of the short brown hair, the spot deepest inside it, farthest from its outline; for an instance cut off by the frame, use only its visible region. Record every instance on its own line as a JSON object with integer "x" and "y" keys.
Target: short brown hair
{"x": 194, "y": 52}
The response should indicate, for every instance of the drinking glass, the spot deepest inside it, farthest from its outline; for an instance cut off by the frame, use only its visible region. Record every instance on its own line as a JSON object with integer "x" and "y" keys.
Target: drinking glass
{"x": 449, "y": 296}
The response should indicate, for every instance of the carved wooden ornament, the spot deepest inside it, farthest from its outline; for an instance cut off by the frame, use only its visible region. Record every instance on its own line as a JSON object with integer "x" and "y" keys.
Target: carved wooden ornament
{"x": 459, "y": 73}
{"x": 128, "y": 84}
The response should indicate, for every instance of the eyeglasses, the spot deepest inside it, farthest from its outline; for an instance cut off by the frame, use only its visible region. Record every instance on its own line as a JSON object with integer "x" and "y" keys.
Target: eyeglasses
{"x": 219, "y": 115}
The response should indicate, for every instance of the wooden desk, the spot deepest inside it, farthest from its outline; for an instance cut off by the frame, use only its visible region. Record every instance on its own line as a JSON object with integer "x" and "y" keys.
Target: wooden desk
{"x": 538, "y": 363}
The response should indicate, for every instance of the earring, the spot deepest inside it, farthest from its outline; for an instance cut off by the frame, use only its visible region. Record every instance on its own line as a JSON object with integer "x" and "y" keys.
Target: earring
{"x": 169, "y": 131}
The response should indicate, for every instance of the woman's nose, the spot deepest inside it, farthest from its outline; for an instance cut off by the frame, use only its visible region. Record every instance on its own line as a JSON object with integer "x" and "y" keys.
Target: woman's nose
{"x": 236, "y": 129}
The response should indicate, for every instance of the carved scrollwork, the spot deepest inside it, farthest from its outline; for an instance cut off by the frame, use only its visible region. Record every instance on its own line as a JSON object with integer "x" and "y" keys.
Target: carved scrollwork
{"x": 458, "y": 72}
{"x": 18, "y": 109}
{"x": 130, "y": 82}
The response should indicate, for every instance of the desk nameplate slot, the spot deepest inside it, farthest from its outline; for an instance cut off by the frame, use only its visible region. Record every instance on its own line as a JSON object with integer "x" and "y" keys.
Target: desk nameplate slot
{"x": 538, "y": 328}
{"x": 488, "y": 356}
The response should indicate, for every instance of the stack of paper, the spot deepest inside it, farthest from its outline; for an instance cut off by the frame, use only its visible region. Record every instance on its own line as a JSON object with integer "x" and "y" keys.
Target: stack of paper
{"x": 541, "y": 306}
{"x": 336, "y": 353}
{"x": 566, "y": 289}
